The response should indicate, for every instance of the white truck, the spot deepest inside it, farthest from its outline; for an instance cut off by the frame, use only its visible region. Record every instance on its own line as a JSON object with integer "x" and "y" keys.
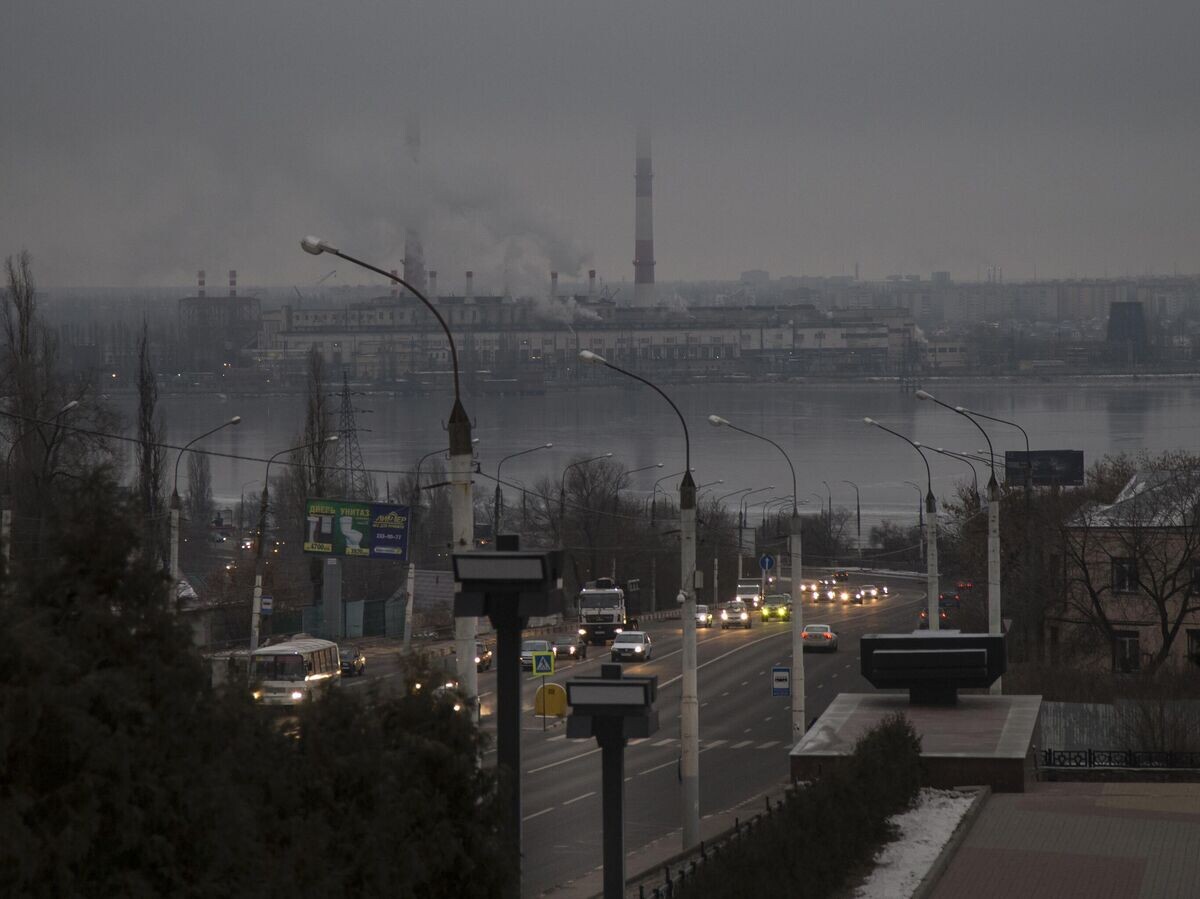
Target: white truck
{"x": 602, "y": 611}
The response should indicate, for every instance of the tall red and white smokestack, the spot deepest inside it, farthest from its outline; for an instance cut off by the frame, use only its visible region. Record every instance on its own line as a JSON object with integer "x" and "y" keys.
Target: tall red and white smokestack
{"x": 200, "y": 282}
{"x": 233, "y": 282}
{"x": 469, "y": 295}
{"x": 643, "y": 246}
{"x": 433, "y": 283}
{"x": 553, "y": 286}
{"x": 591, "y": 283}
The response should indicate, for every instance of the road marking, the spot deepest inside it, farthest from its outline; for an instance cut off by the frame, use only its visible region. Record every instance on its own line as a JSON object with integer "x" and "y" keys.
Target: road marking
{"x": 578, "y": 798}
{"x": 768, "y": 718}
{"x": 745, "y": 683}
{"x": 564, "y": 736}
{"x": 637, "y": 740}
{"x": 713, "y": 744}
{"x": 833, "y": 675}
{"x": 669, "y": 764}
{"x": 768, "y": 744}
{"x": 573, "y": 758}
{"x": 741, "y": 744}
{"x": 726, "y": 693}
{"x": 666, "y": 742}
{"x": 544, "y": 811}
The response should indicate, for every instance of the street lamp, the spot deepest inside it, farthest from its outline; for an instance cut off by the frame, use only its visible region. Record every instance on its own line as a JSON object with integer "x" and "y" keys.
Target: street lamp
{"x": 499, "y": 493}
{"x": 654, "y": 494}
{"x": 709, "y": 485}
{"x": 993, "y": 540}
{"x": 462, "y": 510}
{"x": 744, "y": 505}
{"x": 562, "y": 487}
{"x": 931, "y": 549}
{"x": 857, "y": 516}
{"x": 794, "y": 551}
{"x": 689, "y": 704}
{"x": 966, "y": 460}
{"x": 256, "y": 605}
{"x": 920, "y": 505}
{"x": 176, "y": 506}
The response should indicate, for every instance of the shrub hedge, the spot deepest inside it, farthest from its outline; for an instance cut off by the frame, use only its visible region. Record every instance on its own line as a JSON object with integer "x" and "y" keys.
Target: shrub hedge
{"x": 824, "y": 831}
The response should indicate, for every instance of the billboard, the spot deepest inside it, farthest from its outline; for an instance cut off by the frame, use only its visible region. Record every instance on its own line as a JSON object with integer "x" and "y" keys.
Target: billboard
{"x": 1051, "y": 468}
{"x": 335, "y": 527}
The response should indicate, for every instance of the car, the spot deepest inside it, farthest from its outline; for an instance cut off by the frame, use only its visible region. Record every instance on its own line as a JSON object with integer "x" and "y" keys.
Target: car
{"x": 568, "y": 646}
{"x": 869, "y": 592}
{"x": 735, "y": 614}
{"x": 819, "y": 637}
{"x": 777, "y": 607}
{"x": 949, "y": 600}
{"x": 841, "y": 575}
{"x": 529, "y": 647}
{"x": 704, "y": 618}
{"x": 354, "y": 663}
{"x": 844, "y": 594}
{"x": 965, "y": 585}
{"x": 632, "y": 645}
{"x": 483, "y": 657}
{"x": 923, "y": 620}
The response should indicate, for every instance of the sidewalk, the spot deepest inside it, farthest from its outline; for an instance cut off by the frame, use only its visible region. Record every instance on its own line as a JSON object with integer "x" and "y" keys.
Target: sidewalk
{"x": 1093, "y": 840}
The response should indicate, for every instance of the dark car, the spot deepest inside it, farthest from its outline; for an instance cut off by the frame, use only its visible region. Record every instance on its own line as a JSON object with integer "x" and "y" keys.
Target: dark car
{"x": 354, "y": 663}
{"x": 841, "y": 575}
{"x": 949, "y": 600}
{"x": 924, "y": 618}
{"x": 777, "y": 607}
{"x": 568, "y": 646}
{"x": 483, "y": 657}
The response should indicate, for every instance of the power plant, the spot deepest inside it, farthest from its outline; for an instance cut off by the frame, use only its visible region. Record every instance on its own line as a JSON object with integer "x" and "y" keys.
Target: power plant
{"x": 643, "y": 244}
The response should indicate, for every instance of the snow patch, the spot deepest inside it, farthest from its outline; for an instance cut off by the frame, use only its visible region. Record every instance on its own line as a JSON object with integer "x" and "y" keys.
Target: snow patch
{"x": 923, "y": 831}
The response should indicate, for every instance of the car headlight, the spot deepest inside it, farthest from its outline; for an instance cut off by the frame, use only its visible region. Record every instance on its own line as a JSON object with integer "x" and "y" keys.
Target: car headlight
{"x": 620, "y": 630}
{"x": 572, "y": 650}
{"x": 637, "y": 649}
{"x": 297, "y": 695}
{"x": 583, "y": 632}
{"x": 257, "y": 694}
{"x": 478, "y": 660}
{"x": 744, "y": 616}
{"x": 724, "y": 615}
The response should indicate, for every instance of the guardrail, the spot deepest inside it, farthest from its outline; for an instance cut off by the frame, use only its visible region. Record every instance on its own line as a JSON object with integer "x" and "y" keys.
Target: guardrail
{"x": 1118, "y": 758}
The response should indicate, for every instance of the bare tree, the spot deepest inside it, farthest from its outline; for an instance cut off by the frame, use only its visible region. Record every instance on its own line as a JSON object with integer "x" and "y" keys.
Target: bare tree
{"x": 199, "y": 502}
{"x": 150, "y": 454}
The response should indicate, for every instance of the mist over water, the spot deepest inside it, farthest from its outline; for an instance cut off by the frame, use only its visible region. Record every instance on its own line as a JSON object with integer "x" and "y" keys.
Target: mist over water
{"x": 819, "y": 424}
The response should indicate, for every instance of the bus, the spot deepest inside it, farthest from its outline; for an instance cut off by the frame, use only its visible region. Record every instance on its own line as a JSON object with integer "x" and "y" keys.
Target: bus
{"x": 295, "y": 672}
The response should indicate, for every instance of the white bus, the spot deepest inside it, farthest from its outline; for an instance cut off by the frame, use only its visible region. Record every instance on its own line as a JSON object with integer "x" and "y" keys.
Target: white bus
{"x": 294, "y": 672}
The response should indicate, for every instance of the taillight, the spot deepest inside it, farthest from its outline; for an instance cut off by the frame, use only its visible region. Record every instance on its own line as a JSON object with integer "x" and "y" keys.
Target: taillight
{"x": 829, "y": 636}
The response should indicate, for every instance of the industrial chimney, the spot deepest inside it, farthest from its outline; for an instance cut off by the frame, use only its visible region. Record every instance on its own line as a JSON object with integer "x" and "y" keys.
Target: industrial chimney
{"x": 433, "y": 283}
{"x": 233, "y": 282}
{"x": 469, "y": 294}
{"x": 643, "y": 246}
{"x": 395, "y": 284}
{"x": 200, "y": 282}
{"x": 553, "y": 287}
{"x": 591, "y": 283}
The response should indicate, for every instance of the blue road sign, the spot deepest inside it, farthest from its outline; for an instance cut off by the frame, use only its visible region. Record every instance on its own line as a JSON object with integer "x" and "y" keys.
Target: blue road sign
{"x": 543, "y": 663}
{"x": 268, "y": 604}
{"x": 781, "y": 681}
{"x": 766, "y": 561}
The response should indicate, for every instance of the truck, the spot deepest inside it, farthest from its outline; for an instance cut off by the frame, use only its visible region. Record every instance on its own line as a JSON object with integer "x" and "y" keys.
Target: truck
{"x": 603, "y": 611}
{"x": 749, "y": 591}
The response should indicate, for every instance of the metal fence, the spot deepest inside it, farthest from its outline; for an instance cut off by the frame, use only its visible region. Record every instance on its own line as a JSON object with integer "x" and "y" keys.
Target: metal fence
{"x": 1119, "y": 758}
{"x": 1168, "y": 724}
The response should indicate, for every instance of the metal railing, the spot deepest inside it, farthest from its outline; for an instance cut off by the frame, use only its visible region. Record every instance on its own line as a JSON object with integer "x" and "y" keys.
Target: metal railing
{"x": 1118, "y": 758}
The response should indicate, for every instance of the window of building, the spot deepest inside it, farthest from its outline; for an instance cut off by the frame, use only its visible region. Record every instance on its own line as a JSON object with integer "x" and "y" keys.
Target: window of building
{"x": 1124, "y": 575}
{"x": 1127, "y": 656}
{"x": 1193, "y": 645}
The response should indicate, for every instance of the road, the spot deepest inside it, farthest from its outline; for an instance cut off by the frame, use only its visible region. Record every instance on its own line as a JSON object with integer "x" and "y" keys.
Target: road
{"x": 745, "y": 733}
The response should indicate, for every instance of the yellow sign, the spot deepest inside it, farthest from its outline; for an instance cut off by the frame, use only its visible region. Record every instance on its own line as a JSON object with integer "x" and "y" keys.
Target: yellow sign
{"x": 550, "y": 700}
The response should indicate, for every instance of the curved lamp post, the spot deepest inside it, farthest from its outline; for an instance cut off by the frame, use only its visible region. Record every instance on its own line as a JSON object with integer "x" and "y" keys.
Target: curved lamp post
{"x": 931, "y": 551}
{"x": 462, "y": 510}
{"x": 993, "y": 537}
{"x": 966, "y": 460}
{"x": 562, "y": 488}
{"x": 256, "y": 605}
{"x": 794, "y": 550}
{"x": 176, "y": 506}
{"x": 857, "y": 516}
{"x": 499, "y": 501}
{"x": 689, "y": 704}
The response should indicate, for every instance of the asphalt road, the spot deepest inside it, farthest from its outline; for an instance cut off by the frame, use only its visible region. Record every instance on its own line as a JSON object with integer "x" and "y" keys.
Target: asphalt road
{"x": 745, "y": 733}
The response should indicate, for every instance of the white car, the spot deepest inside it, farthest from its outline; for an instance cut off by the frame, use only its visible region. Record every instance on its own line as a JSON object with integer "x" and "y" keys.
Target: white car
{"x": 704, "y": 618}
{"x": 735, "y": 614}
{"x": 632, "y": 645}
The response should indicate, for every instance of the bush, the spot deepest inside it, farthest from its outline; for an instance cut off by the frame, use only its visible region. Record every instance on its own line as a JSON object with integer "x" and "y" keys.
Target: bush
{"x": 123, "y": 773}
{"x": 825, "y": 831}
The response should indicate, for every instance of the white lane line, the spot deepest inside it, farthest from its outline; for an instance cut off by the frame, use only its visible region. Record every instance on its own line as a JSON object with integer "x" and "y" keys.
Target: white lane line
{"x": 741, "y": 745}
{"x": 669, "y": 764}
{"x": 573, "y": 758}
{"x": 768, "y": 718}
{"x": 833, "y": 675}
{"x": 578, "y": 798}
{"x": 637, "y": 740}
{"x": 559, "y": 737}
{"x": 713, "y": 744}
{"x": 726, "y": 693}
{"x": 767, "y": 745}
{"x": 666, "y": 742}
{"x": 745, "y": 683}
{"x": 544, "y": 811}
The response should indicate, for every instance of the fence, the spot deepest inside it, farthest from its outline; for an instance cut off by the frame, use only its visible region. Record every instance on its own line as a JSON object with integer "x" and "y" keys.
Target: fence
{"x": 1119, "y": 758}
{"x": 1139, "y": 724}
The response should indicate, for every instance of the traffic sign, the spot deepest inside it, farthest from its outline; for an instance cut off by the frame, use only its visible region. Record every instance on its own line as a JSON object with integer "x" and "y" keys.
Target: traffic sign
{"x": 543, "y": 663}
{"x": 766, "y": 561}
{"x": 268, "y": 604}
{"x": 781, "y": 681}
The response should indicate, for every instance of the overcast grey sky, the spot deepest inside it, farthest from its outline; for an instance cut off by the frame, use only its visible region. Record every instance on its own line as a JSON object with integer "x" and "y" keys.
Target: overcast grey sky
{"x": 144, "y": 140}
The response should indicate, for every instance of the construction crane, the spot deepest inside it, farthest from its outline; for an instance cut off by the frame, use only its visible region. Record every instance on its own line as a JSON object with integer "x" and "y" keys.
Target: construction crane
{"x": 316, "y": 283}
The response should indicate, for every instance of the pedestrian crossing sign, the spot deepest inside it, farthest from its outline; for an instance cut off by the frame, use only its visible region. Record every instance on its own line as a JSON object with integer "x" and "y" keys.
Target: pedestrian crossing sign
{"x": 543, "y": 663}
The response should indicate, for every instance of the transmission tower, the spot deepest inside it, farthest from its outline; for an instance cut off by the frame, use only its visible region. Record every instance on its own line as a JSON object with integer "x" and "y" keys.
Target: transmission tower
{"x": 348, "y": 458}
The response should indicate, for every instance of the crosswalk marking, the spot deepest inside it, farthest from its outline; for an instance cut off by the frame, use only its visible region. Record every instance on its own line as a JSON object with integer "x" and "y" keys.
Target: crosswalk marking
{"x": 741, "y": 744}
{"x": 768, "y": 744}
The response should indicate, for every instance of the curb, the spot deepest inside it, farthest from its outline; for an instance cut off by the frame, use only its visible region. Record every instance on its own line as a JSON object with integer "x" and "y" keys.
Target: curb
{"x": 930, "y": 881}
